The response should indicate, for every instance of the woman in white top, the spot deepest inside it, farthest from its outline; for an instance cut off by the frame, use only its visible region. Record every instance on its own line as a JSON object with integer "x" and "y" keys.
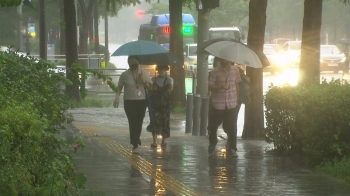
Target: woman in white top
{"x": 135, "y": 81}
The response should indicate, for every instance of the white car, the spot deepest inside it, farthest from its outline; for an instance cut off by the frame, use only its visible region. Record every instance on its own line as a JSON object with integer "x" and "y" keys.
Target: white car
{"x": 291, "y": 53}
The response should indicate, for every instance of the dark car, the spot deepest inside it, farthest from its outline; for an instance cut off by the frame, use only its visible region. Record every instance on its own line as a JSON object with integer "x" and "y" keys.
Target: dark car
{"x": 331, "y": 59}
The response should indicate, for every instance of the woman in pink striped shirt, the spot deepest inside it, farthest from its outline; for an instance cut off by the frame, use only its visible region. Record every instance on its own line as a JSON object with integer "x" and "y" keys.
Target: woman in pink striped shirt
{"x": 223, "y": 85}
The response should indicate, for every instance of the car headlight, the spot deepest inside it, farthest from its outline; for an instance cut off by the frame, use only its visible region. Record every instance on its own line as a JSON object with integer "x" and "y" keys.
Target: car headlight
{"x": 343, "y": 59}
{"x": 280, "y": 61}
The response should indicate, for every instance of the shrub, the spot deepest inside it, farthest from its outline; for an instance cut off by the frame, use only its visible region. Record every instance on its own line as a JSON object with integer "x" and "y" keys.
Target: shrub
{"x": 312, "y": 121}
{"x": 33, "y": 162}
{"x": 337, "y": 168}
{"x": 34, "y": 159}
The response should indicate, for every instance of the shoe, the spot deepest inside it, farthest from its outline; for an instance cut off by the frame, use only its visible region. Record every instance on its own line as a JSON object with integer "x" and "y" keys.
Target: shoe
{"x": 211, "y": 149}
{"x": 231, "y": 152}
{"x": 153, "y": 145}
{"x": 135, "y": 150}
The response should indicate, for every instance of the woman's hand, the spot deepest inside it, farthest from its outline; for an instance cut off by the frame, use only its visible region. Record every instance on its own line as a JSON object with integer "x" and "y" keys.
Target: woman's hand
{"x": 116, "y": 101}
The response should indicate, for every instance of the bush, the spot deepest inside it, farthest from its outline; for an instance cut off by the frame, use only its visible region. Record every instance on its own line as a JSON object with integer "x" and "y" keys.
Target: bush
{"x": 312, "y": 121}
{"x": 34, "y": 159}
{"x": 337, "y": 168}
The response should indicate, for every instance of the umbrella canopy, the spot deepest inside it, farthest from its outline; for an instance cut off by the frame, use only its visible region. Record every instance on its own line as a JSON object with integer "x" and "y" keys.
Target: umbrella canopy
{"x": 139, "y": 47}
{"x": 168, "y": 58}
{"x": 234, "y": 51}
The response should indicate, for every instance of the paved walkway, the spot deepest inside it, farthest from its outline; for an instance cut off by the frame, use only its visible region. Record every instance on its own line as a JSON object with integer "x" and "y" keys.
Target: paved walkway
{"x": 183, "y": 167}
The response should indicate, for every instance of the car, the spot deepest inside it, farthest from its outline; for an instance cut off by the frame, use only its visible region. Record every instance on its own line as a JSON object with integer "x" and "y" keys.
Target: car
{"x": 331, "y": 59}
{"x": 280, "y": 41}
{"x": 290, "y": 54}
{"x": 190, "y": 57}
{"x": 278, "y": 48}
{"x": 272, "y": 55}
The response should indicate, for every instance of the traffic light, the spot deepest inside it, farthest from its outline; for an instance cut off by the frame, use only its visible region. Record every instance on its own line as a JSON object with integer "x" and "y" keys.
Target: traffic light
{"x": 31, "y": 28}
{"x": 187, "y": 30}
{"x": 140, "y": 13}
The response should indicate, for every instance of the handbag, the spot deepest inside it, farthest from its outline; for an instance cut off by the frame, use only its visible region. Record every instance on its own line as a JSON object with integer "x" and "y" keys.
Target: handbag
{"x": 158, "y": 99}
{"x": 244, "y": 88}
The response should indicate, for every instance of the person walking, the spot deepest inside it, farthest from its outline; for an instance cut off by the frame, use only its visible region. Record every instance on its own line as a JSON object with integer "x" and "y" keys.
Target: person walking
{"x": 135, "y": 81}
{"x": 216, "y": 63}
{"x": 162, "y": 86}
{"x": 223, "y": 84}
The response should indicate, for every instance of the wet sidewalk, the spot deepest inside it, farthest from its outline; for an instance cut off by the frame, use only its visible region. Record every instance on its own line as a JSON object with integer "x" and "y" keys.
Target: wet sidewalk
{"x": 183, "y": 167}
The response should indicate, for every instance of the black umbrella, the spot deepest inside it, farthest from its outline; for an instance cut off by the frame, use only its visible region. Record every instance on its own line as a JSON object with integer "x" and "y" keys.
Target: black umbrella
{"x": 264, "y": 61}
{"x": 168, "y": 58}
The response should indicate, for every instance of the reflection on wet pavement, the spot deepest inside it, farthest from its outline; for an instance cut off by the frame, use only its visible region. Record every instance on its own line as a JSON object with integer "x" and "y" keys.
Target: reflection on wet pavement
{"x": 183, "y": 167}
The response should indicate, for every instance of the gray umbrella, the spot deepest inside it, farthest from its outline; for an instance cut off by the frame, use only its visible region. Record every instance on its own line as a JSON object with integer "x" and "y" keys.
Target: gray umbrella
{"x": 235, "y": 52}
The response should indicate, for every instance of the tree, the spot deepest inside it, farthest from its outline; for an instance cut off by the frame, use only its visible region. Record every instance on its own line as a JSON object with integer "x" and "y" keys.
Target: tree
{"x": 176, "y": 46}
{"x": 96, "y": 33}
{"x": 254, "y": 112}
{"x": 86, "y": 15}
{"x": 71, "y": 48}
{"x": 309, "y": 70}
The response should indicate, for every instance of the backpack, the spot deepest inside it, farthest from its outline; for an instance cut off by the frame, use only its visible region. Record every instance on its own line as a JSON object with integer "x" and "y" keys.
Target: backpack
{"x": 158, "y": 99}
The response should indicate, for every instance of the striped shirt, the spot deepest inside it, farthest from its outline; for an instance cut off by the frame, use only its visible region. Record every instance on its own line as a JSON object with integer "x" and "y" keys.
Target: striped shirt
{"x": 223, "y": 98}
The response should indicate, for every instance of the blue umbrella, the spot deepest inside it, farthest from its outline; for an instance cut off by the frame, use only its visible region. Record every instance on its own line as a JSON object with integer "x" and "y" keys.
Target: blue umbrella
{"x": 139, "y": 47}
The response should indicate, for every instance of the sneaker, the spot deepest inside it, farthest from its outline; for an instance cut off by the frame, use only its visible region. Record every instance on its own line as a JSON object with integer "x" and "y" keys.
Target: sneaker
{"x": 211, "y": 149}
{"x": 135, "y": 150}
{"x": 231, "y": 152}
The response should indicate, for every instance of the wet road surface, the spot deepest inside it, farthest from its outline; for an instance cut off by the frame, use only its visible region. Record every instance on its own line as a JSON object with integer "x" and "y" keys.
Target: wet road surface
{"x": 184, "y": 167}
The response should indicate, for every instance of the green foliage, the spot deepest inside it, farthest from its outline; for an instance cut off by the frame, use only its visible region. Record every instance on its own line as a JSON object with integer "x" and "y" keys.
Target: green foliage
{"x": 34, "y": 159}
{"x": 312, "y": 121}
{"x": 337, "y": 168}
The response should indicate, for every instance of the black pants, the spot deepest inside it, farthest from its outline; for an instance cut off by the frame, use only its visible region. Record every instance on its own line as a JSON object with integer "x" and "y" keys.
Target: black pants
{"x": 228, "y": 119}
{"x": 135, "y": 111}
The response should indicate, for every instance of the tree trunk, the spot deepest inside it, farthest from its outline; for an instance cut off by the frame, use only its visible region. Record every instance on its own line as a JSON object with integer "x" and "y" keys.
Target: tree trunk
{"x": 309, "y": 70}
{"x": 176, "y": 46}
{"x": 106, "y": 52}
{"x": 254, "y": 111}
{"x": 97, "y": 36}
{"x": 86, "y": 18}
{"x": 62, "y": 32}
{"x": 42, "y": 30}
{"x": 71, "y": 48}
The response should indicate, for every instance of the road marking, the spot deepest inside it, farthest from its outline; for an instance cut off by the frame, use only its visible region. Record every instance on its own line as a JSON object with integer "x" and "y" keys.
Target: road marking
{"x": 161, "y": 179}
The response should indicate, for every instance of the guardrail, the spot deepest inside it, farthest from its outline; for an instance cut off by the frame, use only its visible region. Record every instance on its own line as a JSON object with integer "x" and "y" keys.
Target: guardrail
{"x": 114, "y": 73}
{"x": 92, "y": 60}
